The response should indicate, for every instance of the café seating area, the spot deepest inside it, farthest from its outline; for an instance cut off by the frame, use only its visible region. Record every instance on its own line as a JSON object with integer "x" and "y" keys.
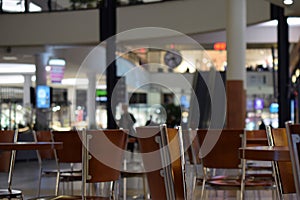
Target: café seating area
{"x": 167, "y": 163}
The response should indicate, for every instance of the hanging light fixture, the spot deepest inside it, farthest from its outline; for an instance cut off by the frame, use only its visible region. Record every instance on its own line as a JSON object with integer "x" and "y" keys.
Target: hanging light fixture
{"x": 288, "y": 2}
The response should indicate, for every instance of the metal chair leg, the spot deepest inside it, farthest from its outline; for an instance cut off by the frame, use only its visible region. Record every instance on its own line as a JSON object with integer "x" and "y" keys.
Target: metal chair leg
{"x": 39, "y": 182}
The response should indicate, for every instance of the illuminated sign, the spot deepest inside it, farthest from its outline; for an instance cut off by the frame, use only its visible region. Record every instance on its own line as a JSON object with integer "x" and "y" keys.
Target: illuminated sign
{"x": 43, "y": 96}
{"x": 220, "y": 46}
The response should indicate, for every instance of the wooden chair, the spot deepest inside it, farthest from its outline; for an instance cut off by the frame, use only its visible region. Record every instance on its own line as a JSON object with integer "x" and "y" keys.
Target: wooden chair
{"x": 258, "y": 138}
{"x": 220, "y": 150}
{"x": 42, "y": 155}
{"x": 293, "y": 135}
{"x": 283, "y": 170}
{"x": 194, "y": 170}
{"x": 102, "y": 158}
{"x": 7, "y": 160}
{"x": 102, "y": 155}
{"x": 133, "y": 169}
{"x": 71, "y": 154}
{"x": 163, "y": 157}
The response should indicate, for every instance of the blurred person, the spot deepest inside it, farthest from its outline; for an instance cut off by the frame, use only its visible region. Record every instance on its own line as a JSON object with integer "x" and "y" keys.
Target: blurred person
{"x": 150, "y": 122}
{"x": 262, "y": 125}
{"x": 127, "y": 121}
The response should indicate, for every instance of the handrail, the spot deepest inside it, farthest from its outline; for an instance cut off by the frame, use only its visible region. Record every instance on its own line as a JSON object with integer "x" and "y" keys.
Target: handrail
{"x": 73, "y": 5}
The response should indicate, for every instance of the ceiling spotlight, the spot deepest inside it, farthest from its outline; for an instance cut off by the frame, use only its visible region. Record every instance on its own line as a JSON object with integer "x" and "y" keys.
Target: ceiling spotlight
{"x": 288, "y": 2}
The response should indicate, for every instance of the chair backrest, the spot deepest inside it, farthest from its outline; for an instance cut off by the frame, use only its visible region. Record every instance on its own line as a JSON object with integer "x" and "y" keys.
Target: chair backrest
{"x": 285, "y": 170}
{"x": 220, "y": 148}
{"x": 191, "y": 145}
{"x": 44, "y": 136}
{"x": 293, "y": 135}
{"x": 5, "y": 136}
{"x": 176, "y": 149}
{"x": 163, "y": 157}
{"x": 256, "y": 138}
{"x": 150, "y": 149}
{"x": 72, "y": 146}
{"x": 106, "y": 149}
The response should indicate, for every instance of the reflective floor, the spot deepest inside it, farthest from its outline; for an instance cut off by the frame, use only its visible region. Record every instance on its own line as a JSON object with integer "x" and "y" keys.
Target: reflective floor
{"x": 26, "y": 179}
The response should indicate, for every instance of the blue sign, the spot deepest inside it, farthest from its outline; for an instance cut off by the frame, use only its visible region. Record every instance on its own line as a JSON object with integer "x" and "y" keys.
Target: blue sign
{"x": 274, "y": 107}
{"x": 42, "y": 96}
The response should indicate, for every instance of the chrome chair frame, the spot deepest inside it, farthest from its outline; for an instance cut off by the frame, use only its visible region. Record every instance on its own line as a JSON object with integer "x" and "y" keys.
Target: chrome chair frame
{"x": 86, "y": 157}
{"x": 9, "y": 192}
{"x": 294, "y": 141}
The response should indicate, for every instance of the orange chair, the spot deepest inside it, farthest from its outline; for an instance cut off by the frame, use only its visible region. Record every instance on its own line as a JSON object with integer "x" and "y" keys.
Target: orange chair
{"x": 102, "y": 159}
{"x": 71, "y": 154}
{"x": 7, "y": 160}
{"x": 102, "y": 155}
{"x": 258, "y": 138}
{"x": 293, "y": 135}
{"x": 42, "y": 155}
{"x": 220, "y": 151}
{"x": 163, "y": 158}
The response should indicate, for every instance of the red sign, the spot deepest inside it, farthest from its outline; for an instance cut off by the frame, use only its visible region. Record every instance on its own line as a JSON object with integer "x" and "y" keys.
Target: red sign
{"x": 220, "y": 46}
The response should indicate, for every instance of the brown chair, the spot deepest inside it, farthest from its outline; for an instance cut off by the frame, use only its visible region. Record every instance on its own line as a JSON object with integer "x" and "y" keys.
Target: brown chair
{"x": 258, "y": 138}
{"x": 194, "y": 170}
{"x": 220, "y": 150}
{"x": 102, "y": 155}
{"x": 176, "y": 150}
{"x": 66, "y": 174}
{"x": 102, "y": 159}
{"x": 71, "y": 154}
{"x": 293, "y": 135}
{"x": 42, "y": 155}
{"x": 7, "y": 160}
{"x": 163, "y": 157}
{"x": 283, "y": 170}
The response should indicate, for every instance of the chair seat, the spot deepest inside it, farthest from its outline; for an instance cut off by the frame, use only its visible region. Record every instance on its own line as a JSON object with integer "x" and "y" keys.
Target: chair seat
{"x": 237, "y": 183}
{"x": 62, "y": 197}
{"x": 5, "y": 193}
{"x": 131, "y": 174}
{"x": 54, "y": 171}
{"x": 67, "y": 176}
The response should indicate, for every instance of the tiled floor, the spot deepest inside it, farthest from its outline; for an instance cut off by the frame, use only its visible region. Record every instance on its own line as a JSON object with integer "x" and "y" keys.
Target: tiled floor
{"x": 26, "y": 179}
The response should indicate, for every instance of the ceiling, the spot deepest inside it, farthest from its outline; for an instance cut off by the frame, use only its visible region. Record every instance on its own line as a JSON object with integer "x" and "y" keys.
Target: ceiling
{"x": 291, "y": 10}
{"x": 76, "y": 54}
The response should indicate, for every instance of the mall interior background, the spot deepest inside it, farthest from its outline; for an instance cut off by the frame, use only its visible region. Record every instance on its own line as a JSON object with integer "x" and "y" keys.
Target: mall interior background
{"x": 68, "y": 93}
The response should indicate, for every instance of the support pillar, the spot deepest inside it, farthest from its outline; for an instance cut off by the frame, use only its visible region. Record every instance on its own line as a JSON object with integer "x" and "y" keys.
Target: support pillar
{"x": 26, "y": 90}
{"x": 91, "y": 102}
{"x": 284, "y": 113}
{"x": 108, "y": 24}
{"x": 42, "y": 115}
{"x": 236, "y": 70}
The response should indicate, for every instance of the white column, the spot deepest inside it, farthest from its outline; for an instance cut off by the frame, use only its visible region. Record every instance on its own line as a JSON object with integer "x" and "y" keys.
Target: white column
{"x": 26, "y": 90}
{"x": 236, "y": 44}
{"x": 91, "y": 103}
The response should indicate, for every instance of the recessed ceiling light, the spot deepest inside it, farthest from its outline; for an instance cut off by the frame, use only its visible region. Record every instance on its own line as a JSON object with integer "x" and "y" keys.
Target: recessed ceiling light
{"x": 288, "y": 2}
{"x": 11, "y": 79}
{"x": 16, "y": 68}
{"x": 56, "y": 62}
{"x": 9, "y": 58}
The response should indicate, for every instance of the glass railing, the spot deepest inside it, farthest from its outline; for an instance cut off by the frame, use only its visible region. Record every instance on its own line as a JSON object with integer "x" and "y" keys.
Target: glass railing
{"x": 15, "y": 6}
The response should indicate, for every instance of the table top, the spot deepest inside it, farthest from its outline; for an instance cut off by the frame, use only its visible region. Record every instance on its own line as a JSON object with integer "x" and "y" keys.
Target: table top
{"x": 265, "y": 153}
{"x": 31, "y": 145}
